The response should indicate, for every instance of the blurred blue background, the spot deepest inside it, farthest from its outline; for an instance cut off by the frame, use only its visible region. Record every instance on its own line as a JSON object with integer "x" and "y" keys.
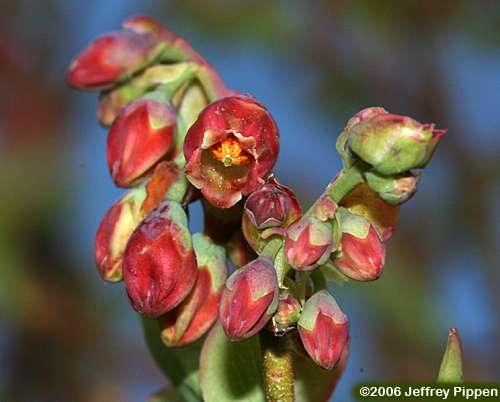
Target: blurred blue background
{"x": 66, "y": 336}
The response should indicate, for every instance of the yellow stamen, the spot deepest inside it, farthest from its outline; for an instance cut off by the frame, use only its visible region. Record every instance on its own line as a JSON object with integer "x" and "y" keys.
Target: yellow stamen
{"x": 230, "y": 153}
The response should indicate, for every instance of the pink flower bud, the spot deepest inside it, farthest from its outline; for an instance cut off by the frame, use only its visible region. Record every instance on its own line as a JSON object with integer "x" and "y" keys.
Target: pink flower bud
{"x": 197, "y": 313}
{"x": 271, "y": 205}
{"x": 233, "y": 144}
{"x": 308, "y": 243}
{"x": 114, "y": 231}
{"x": 249, "y": 299}
{"x": 111, "y": 58}
{"x": 323, "y": 329}
{"x": 362, "y": 253}
{"x": 140, "y": 136}
{"x": 287, "y": 314}
{"x": 159, "y": 263}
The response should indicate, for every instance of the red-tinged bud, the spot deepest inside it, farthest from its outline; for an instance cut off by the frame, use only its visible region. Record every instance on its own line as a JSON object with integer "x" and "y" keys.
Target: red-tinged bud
{"x": 368, "y": 113}
{"x": 114, "y": 231}
{"x": 112, "y": 58}
{"x": 144, "y": 25}
{"x": 140, "y": 136}
{"x": 287, "y": 315}
{"x": 366, "y": 202}
{"x": 323, "y": 329}
{"x": 395, "y": 189}
{"x": 171, "y": 77}
{"x": 325, "y": 208}
{"x": 230, "y": 148}
{"x": 362, "y": 253}
{"x": 159, "y": 265}
{"x": 249, "y": 299}
{"x": 271, "y": 205}
{"x": 178, "y": 49}
{"x": 392, "y": 143}
{"x": 308, "y": 243}
{"x": 197, "y": 313}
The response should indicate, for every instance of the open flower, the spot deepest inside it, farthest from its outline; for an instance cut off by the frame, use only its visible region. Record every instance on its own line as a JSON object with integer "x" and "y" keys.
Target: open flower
{"x": 230, "y": 148}
{"x": 159, "y": 265}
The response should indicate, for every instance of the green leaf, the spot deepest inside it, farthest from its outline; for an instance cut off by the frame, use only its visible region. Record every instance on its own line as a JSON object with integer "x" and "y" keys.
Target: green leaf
{"x": 314, "y": 383}
{"x": 451, "y": 366}
{"x": 231, "y": 371}
{"x": 168, "y": 394}
{"x": 180, "y": 365}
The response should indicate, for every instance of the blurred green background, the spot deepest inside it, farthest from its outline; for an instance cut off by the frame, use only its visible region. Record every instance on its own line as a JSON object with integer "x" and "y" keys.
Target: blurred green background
{"x": 66, "y": 336}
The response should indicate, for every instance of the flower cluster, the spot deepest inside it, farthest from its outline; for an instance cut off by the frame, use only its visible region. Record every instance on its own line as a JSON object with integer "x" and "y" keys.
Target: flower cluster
{"x": 177, "y": 134}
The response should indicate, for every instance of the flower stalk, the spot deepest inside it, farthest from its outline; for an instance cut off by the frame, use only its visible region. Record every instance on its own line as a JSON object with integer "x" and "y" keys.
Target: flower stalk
{"x": 277, "y": 366}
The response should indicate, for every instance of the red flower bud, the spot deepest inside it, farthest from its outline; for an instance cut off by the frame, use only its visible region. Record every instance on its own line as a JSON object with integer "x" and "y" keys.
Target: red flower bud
{"x": 114, "y": 231}
{"x": 323, "y": 329}
{"x": 271, "y": 205}
{"x": 196, "y": 314}
{"x": 308, "y": 243}
{"x": 232, "y": 145}
{"x": 159, "y": 263}
{"x": 139, "y": 137}
{"x": 111, "y": 58}
{"x": 249, "y": 299}
{"x": 362, "y": 253}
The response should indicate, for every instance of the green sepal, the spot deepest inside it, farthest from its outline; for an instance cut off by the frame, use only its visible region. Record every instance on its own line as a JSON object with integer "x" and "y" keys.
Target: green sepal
{"x": 281, "y": 266}
{"x": 451, "y": 370}
{"x": 352, "y": 224}
{"x": 213, "y": 257}
{"x": 272, "y": 246}
{"x": 193, "y": 101}
{"x": 343, "y": 150}
{"x": 331, "y": 273}
{"x": 168, "y": 394}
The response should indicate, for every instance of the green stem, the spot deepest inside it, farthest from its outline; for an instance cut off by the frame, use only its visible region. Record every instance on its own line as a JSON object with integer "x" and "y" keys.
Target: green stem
{"x": 346, "y": 181}
{"x": 277, "y": 365}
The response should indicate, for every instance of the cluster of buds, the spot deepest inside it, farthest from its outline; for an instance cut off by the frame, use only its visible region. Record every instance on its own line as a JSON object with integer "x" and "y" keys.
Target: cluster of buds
{"x": 153, "y": 85}
{"x": 176, "y": 134}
